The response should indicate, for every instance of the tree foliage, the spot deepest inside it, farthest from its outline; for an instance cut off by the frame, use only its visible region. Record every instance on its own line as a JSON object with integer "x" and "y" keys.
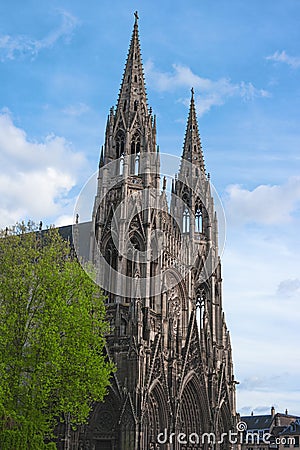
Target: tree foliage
{"x": 51, "y": 338}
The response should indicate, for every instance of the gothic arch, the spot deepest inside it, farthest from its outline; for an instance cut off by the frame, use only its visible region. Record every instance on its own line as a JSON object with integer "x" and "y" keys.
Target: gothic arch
{"x": 194, "y": 413}
{"x": 110, "y": 254}
{"x": 156, "y": 415}
{"x": 136, "y": 239}
{"x": 186, "y": 221}
{"x": 135, "y": 150}
{"x": 135, "y": 262}
{"x": 202, "y": 217}
{"x": 186, "y": 197}
{"x": 110, "y": 251}
{"x": 198, "y": 218}
{"x": 202, "y": 297}
{"x": 104, "y": 418}
{"x": 172, "y": 273}
{"x": 169, "y": 276}
{"x": 225, "y": 416}
{"x": 120, "y": 143}
{"x": 224, "y": 423}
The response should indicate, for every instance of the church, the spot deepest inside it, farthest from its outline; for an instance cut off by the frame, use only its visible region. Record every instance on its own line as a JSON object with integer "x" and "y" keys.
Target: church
{"x": 154, "y": 242}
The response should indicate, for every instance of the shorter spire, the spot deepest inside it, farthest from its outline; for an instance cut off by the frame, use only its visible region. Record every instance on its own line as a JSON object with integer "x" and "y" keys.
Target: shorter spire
{"x": 192, "y": 149}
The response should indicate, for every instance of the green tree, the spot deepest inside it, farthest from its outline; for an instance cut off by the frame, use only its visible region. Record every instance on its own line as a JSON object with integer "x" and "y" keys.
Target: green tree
{"x": 52, "y": 326}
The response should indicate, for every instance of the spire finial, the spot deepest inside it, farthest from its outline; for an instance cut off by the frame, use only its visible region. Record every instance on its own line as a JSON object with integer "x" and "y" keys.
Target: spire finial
{"x": 192, "y": 91}
{"x": 136, "y": 15}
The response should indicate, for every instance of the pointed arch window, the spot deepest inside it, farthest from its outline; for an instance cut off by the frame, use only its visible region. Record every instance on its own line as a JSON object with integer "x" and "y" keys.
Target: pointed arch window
{"x": 200, "y": 308}
{"x": 153, "y": 269}
{"x": 135, "y": 152}
{"x": 123, "y": 327}
{"x": 120, "y": 148}
{"x": 135, "y": 105}
{"x": 135, "y": 78}
{"x": 186, "y": 221}
{"x": 120, "y": 144}
{"x": 137, "y": 164}
{"x": 110, "y": 255}
{"x": 198, "y": 219}
{"x": 121, "y": 165}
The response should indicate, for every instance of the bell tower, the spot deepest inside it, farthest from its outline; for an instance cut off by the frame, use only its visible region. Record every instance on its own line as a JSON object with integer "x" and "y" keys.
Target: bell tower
{"x": 160, "y": 269}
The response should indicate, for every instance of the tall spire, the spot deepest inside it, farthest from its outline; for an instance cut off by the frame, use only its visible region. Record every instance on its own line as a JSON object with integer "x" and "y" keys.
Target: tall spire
{"x": 192, "y": 149}
{"x": 132, "y": 96}
{"x": 131, "y": 128}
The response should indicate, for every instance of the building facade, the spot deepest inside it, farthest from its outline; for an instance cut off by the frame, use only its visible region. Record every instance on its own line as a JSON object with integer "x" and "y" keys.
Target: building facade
{"x": 290, "y": 436}
{"x": 159, "y": 266}
{"x": 271, "y": 431}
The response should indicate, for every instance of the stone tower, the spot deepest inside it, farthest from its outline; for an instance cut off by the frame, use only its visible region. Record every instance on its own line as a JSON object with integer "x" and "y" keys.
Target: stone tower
{"x": 160, "y": 268}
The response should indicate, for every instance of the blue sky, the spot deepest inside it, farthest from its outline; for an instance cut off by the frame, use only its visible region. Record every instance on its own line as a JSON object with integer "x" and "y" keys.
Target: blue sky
{"x": 61, "y": 67}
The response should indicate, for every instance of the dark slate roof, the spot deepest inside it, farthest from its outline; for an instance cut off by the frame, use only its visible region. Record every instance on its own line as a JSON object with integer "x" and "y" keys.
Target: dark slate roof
{"x": 284, "y": 419}
{"x": 263, "y": 422}
{"x": 81, "y": 234}
{"x": 277, "y": 430}
{"x": 292, "y": 429}
{"x": 258, "y": 422}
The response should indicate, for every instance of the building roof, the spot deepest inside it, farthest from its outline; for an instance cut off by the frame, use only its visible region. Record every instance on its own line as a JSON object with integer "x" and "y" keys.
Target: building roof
{"x": 279, "y": 421}
{"x": 258, "y": 422}
{"x": 292, "y": 429}
{"x": 80, "y": 233}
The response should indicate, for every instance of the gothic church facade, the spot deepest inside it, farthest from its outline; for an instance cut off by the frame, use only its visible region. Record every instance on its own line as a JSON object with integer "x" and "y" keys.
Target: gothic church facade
{"x": 161, "y": 272}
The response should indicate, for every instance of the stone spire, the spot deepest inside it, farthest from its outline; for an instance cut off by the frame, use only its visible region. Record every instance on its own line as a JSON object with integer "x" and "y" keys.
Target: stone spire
{"x": 192, "y": 150}
{"x": 132, "y": 96}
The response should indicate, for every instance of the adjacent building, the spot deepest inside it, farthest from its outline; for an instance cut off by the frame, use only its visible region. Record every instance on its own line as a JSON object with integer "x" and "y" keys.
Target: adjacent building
{"x": 271, "y": 431}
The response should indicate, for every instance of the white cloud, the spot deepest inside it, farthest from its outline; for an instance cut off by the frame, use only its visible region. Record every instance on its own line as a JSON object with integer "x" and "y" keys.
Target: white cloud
{"x": 289, "y": 288}
{"x": 278, "y": 397}
{"x": 265, "y": 204}
{"x": 64, "y": 220}
{"x": 283, "y": 57}
{"x": 36, "y": 177}
{"x": 12, "y": 47}
{"x": 211, "y": 93}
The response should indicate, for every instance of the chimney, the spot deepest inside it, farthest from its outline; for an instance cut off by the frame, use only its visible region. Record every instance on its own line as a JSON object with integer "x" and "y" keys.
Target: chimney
{"x": 272, "y": 411}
